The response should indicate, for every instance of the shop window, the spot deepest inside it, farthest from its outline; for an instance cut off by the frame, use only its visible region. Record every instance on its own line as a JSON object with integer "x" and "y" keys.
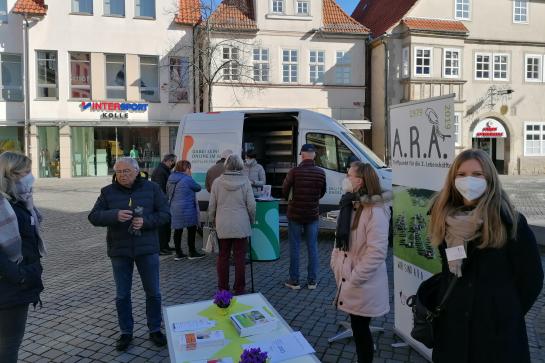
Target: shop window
{"x": 179, "y": 79}
{"x": 145, "y": 8}
{"x": 149, "y": 78}
{"x": 114, "y": 7}
{"x": 115, "y": 76}
{"x": 82, "y": 6}
{"x": 331, "y": 152}
{"x": 80, "y": 76}
{"x": 12, "y": 77}
{"x": 12, "y": 138}
{"x": 49, "y": 164}
{"x": 47, "y": 74}
{"x": 317, "y": 66}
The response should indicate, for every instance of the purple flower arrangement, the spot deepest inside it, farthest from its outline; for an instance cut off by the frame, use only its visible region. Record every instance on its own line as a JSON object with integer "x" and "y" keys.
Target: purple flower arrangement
{"x": 253, "y": 355}
{"x": 223, "y": 298}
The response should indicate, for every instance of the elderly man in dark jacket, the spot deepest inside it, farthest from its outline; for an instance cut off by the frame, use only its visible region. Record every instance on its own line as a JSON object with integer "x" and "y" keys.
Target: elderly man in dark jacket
{"x": 304, "y": 186}
{"x": 132, "y": 239}
{"x": 160, "y": 176}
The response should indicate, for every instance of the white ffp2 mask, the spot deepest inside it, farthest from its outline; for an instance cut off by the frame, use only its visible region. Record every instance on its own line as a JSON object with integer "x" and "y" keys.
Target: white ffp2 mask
{"x": 470, "y": 187}
{"x": 347, "y": 186}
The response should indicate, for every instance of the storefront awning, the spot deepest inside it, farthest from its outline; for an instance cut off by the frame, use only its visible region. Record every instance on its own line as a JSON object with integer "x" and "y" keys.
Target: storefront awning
{"x": 356, "y": 124}
{"x": 490, "y": 129}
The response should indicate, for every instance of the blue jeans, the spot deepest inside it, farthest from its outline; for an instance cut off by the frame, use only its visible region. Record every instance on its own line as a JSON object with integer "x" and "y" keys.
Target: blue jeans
{"x": 12, "y": 330}
{"x": 148, "y": 268}
{"x": 310, "y": 231}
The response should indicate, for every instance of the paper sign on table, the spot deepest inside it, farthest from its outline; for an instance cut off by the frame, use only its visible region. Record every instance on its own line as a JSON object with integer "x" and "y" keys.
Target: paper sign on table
{"x": 217, "y": 360}
{"x": 283, "y": 348}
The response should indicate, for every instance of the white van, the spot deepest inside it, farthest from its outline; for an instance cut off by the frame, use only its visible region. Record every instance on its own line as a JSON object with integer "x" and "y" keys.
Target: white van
{"x": 276, "y": 136}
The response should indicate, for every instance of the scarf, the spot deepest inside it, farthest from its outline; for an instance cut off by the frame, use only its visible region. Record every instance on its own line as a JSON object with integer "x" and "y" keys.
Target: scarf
{"x": 461, "y": 227}
{"x": 24, "y": 190}
{"x": 10, "y": 239}
{"x": 342, "y": 234}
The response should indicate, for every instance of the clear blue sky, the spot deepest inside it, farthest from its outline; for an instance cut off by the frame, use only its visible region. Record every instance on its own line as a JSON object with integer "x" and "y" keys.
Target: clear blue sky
{"x": 348, "y": 5}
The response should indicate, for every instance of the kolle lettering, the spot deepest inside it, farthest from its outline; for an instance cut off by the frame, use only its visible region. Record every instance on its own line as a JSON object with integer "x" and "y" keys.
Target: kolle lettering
{"x": 115, "y": 115}
{"x": 113, "y": 106}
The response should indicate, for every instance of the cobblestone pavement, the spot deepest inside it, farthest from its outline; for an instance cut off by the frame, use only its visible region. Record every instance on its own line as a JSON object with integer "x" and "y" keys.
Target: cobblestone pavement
{"x": 78, "y": 322}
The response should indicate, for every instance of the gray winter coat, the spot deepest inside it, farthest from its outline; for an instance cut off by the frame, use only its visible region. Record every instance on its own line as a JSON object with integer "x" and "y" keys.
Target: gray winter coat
{"x": 256, "y": 174}
{"x": 232, "y": 206}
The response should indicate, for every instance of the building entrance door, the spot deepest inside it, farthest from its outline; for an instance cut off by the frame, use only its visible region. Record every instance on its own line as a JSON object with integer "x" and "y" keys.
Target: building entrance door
{"x": 489, "y": 135}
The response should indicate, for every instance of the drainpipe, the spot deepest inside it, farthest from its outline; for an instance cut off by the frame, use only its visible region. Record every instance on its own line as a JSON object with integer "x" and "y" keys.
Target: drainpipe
{"x": 386, "y": 108}
{"x": 26, "y": 85}
{"x": 194, "y": 78}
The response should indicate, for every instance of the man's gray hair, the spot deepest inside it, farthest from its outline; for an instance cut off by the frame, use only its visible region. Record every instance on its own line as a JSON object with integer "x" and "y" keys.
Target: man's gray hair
{"x": 234, "y": 163}
{"x": 128, "y": 160}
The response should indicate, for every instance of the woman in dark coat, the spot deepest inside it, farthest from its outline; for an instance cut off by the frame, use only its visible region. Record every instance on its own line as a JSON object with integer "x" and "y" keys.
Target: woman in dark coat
{"x": 20, "y": 251}
{"x": 501, "y": 275}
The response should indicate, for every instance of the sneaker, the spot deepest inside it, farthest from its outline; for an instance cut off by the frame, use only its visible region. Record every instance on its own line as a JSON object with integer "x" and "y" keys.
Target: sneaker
{"x": 196, "y": 255}
{"x": 165, "y": 252}
{"x": 158, "y": 339}
{"x": 179, "y": 257}
{"x": 312, "y": 285}
{"x": 292, "y": 285}
{"x": 123, "y": 342}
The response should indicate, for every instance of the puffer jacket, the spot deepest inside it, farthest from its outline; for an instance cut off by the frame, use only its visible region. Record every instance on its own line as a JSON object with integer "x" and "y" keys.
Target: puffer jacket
{"x": 232, "y": 206}
{"x": 181, "y": 191}
{"x": 115, "y": 197}
{"x": 360, "y": 273}
{"x": 256, "y": 174}
{"x": 308, "y": 185}
{"x": 21, "y": 284}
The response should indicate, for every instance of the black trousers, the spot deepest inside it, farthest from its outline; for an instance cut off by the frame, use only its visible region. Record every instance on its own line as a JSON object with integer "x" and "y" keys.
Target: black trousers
{"x": 191, "y": 231}
{"x": 12, "y": 330}
{"x": 164, "y": 236}
{"x": 362, "y": 338}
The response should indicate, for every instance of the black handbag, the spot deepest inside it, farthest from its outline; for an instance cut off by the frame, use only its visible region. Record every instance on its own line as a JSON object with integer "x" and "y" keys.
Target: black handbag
{"x": 427, "y": 304}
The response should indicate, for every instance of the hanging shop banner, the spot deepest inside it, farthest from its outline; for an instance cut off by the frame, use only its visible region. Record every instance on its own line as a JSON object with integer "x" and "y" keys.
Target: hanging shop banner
{"x": 421, "y": 151}
{"x": 489, "y": 128}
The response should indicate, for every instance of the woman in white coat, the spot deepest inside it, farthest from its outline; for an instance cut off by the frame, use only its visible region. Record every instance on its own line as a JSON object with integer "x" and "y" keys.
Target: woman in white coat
{"x": 359, "y": 257}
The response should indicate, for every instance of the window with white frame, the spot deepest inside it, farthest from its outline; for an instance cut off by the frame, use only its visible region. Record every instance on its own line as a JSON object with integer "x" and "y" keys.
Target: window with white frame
{"x": 303, "y": 7}
{"x": 405, "y": 62}
{"x": 3, "y": 11}
{"x": 501, "y": 67}
{"x": 462, "y": 9}
{"x": 520, "y": 11}
{"x": 482, "y": 66}
{"x": 343, "y": 68}
{"x": 451, "y": 63}
{"x": 422, "y": 62}
{"x": 149, "y": 78}
{"x": 115, "y": 76}
{"x": 145, "y": 8}
{"x": 46, "y": 74}
{"x": 82, "y": 6}
{"x": 289, "y": 66}
{"x": 533, "y": 72}
{"x": 11, "y": 73}
{"x": 261, "y": 64}
{"x": 278, "y": 6}
{"x": 316, "y": 66}
{"x": 230, "y": 63}
{"x": 114, "y": 7}
{"x": 179, "y": 79}
{"x": 457, "y": 129}
{"x": 80, "y": 76}
{"x": 534, "y": 139}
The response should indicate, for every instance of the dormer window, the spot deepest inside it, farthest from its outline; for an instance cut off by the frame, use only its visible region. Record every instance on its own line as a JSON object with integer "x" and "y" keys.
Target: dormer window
{"x": 303, "y": 7}
{"x": 278, "y": 6}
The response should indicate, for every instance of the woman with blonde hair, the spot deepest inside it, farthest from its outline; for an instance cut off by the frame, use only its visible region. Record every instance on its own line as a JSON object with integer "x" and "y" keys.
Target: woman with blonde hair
{"x": 359, "y": 257}
{"x": 20, "y": 251}
{"x": 499, "y": 272}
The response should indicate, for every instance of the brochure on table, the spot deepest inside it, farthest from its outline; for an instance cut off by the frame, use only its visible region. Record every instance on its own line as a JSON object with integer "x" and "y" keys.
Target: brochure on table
{"x": 233, "y": 343}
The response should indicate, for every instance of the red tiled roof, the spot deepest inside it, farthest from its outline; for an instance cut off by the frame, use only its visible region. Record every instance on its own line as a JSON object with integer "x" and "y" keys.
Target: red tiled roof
{"x": 32, "y": 7}
{"x": 337, "y": 21}
{"x": 234, "y": 15}
{"x": 435, "y": 25}
{"x": 380, "y": 15}
{"x": 189, "y": 12}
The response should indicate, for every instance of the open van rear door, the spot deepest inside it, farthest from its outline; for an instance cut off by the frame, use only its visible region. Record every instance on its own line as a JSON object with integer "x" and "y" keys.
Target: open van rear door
{"x": 203, "y": 137}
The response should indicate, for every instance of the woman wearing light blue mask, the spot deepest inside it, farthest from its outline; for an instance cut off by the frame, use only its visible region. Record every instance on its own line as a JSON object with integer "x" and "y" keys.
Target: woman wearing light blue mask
{"x": 486, "y": 243}
{"x": 20, "y": 251}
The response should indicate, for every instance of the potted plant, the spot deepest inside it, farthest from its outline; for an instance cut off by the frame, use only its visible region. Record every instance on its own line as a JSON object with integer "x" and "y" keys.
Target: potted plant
{"x": 223, "y": 300}
{"x": 253, "y": 355}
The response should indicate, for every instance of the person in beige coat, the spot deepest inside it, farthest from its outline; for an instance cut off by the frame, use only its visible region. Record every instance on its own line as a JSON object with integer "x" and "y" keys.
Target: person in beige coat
{"x": 359, "y": 257}
{"x": 232, "y": 209}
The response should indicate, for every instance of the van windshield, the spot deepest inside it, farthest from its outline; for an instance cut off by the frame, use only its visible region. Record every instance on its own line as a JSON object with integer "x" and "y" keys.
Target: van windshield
{"x": 369, "y": 154}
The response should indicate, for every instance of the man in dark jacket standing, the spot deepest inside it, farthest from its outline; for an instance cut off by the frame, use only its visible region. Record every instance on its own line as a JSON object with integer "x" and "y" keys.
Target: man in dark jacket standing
{"x": 304, "y": 186}
{"x": 217, "y": 170}
{"x": 133, "y": 209}
{"x": 160, "y": 176}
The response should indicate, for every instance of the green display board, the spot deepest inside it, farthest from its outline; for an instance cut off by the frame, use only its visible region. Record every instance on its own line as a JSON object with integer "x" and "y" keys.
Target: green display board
{"x": 266, "y": 232}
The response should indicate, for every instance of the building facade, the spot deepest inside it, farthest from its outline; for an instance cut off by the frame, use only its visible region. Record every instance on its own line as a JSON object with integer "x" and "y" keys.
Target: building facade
{"x": 107, "y": 78}
{"x": 490, "y": 54}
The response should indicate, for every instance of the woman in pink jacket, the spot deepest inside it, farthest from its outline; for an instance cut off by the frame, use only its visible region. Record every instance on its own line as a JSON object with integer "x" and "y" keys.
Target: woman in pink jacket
{"x": 358, "y": 259}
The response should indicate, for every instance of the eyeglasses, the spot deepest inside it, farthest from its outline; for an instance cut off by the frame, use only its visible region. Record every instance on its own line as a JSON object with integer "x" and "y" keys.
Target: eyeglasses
{"x": 123, "y": 172}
